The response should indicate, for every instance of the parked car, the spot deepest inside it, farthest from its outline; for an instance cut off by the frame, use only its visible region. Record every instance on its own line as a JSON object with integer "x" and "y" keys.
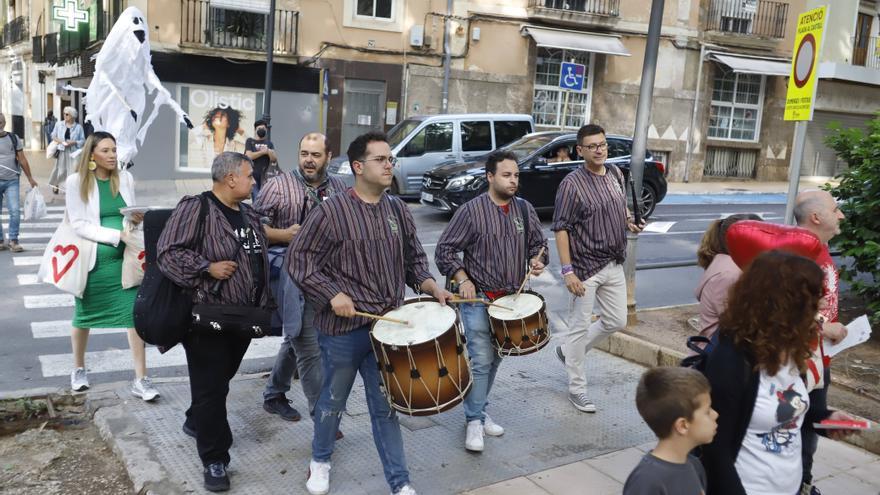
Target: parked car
{"x": 449, "y": 186}
{"x": 423, "y": 142}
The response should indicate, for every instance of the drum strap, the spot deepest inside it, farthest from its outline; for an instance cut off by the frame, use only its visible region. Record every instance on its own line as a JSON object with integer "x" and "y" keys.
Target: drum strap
{"x": 525, "y": 218}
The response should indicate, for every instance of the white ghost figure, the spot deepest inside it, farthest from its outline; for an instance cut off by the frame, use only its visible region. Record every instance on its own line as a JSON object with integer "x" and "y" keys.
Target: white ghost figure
{"x": 123, "y": 77}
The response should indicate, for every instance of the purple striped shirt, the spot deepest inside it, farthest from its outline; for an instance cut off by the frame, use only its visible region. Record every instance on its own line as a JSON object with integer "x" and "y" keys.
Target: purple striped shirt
{"x": 592, "y": 209}
{"x": 287, "y": 199}
{"x": 350, "y": 246}
{"x": 492, "y": 243}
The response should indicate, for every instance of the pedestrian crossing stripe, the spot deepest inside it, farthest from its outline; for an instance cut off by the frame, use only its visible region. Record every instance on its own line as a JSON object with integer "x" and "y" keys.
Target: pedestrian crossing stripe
{"x": 35, "y": 235}
{"x": 120, "y": 359}
{"x": 35, "y": 226}
{"x": 61, "y": 328}
{"x": 33, "y": 247}
{"x": 49, "y": 216}
{"x": 28, "y": 279}
{"x": 48, "y": 301}
{"x": 27, "y": 260}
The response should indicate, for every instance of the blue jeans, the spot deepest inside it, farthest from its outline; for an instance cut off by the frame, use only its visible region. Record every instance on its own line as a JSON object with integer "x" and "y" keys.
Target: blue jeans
{"x": 303, "y": 353}
{"x": 10, "y": 189}
{"x": 342, "y": 357}
{"x": 484, "y": 359}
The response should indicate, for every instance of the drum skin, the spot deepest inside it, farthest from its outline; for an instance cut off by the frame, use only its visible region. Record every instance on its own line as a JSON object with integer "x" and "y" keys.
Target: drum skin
{"x": 522, "y": 336}
{"x": 425, "y": 378}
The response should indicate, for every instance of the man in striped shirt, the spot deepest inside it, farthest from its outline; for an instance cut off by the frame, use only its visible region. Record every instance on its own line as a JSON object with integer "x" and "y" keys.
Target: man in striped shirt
{"x": 285, "y": 201}
{"x": 356, "y": 252}
{"x": 490, "y": 230}
{"x": 590, "y": 221}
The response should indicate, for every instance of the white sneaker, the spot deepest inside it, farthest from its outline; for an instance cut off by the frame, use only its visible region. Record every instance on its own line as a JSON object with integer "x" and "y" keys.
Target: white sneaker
{"x": 406, "y": 490}
{"x": 319, "y": 478}
{"x": 144, "y": 389}
{"x": 491, "y": 428}
{"x": 474, "y": 439}
{"x": 79, "y": 381}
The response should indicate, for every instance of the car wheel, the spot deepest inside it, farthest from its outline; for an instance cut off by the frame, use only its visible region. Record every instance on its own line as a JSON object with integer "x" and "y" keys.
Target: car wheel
{"x": 395, "y": 189}
{"x": 649, "y": 201}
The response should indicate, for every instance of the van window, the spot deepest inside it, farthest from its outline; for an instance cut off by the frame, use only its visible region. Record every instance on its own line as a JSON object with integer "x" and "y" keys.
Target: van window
{"x": 508, "y": 131}
{"x": 436, "y": 137}
{"x": 399, "y": 132}
{"x": 476, "y": 136}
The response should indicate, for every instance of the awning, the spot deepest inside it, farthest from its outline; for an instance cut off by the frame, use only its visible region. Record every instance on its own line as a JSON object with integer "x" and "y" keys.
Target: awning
{"x": 754, "y": 65}
{"x": 255, "y": 6}
{"x": 574, "y": 40}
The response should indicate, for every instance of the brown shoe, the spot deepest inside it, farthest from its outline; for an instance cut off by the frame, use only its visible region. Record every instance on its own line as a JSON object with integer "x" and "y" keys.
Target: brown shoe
{"x": 15, "y": 247}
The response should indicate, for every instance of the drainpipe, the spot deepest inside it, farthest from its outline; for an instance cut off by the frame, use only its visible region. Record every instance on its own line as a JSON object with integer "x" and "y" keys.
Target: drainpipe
{"x": 270, "y": 49}
{"x": 690, "y": 141}
{"x": 447, "y": 59}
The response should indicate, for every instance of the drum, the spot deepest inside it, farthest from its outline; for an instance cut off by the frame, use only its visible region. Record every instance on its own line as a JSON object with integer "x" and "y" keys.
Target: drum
{"x": 424, "y": 365}
{"x": 522, "y": 329}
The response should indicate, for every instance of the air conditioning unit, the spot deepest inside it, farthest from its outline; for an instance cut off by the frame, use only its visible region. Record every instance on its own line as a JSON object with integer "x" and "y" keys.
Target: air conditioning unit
{"x": 417, "y": 35}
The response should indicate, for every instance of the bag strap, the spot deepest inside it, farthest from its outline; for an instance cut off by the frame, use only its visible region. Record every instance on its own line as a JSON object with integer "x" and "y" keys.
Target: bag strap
{"x": 14, "y": 139}
{"x": 403, "y": 233}
{"x": 525, "y": 216}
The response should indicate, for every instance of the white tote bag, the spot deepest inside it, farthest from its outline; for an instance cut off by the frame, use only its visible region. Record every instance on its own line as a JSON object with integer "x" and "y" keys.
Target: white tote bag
{"x": 66, "y": 260}
{"x": 133, "y": 258}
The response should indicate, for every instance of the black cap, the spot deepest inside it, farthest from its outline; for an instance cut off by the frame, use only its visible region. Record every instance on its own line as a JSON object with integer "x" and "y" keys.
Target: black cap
{"x": 260, "y": 122}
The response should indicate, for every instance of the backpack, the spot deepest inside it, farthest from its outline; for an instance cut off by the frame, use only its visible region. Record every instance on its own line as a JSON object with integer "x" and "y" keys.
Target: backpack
{"x": 698, "y": 360}
{"x": 14, "y": 139}
{"x": 163, "y": 309}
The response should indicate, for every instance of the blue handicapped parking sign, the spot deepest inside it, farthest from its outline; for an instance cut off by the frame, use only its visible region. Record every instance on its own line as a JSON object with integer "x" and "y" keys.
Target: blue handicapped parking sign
{"x": 571, "y": 76}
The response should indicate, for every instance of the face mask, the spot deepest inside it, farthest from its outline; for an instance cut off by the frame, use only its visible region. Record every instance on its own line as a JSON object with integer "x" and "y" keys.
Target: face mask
{"x": 261, "y": 132}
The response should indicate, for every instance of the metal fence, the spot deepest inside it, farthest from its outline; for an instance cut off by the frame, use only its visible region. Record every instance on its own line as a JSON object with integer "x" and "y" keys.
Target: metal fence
{"x": 756, "y": 17}
{"x": 866, "y": 51}
{"x": 609, "y": 8}
{"x": 224, "y": 28}
{"x": 730, "y": 162}
{"x": 14, "y": 31}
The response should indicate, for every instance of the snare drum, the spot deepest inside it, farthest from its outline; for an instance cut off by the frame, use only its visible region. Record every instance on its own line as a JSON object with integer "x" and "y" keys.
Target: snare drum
{"x": 522, "y": 329}
{"x": 424, "y": 365}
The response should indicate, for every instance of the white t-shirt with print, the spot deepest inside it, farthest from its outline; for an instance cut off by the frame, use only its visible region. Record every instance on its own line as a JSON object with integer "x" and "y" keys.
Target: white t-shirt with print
{"x": 769, "y": 461}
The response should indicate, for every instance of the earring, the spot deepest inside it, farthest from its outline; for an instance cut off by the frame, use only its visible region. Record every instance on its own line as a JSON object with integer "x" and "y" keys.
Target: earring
{"x": 92, "y": 165}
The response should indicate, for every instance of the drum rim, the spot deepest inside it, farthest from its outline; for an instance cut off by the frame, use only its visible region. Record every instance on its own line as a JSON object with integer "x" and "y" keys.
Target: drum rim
{"x": 542, "y": 308}
{"x": 413, "y": 300}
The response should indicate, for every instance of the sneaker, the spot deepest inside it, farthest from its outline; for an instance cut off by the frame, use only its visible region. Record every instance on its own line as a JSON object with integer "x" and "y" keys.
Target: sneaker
{"x": 281, "y": 407}
{"x": 406, "y": 490}
{"x": 15, "y": 247}
{"x": 491, "y": 428}
{"x": 474, "y": 439}
{"x": 559, "y": 355}
{"x": 808, "y": 489}
{"x": 582, "y": 403}
{"x": 189, "y": 430}
{"x": 319, "y": 478}
{"x": 79, "y": 381}
{"x": 143, "y": 388}
{"x": 216, "y": 479}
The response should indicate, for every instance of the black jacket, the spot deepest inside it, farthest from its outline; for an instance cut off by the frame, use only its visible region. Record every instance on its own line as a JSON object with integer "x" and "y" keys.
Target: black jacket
{"x": 734, "y": 391}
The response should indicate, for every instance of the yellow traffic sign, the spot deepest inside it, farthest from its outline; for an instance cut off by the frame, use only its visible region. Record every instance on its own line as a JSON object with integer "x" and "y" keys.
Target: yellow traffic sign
{"x": 805, "y": 65}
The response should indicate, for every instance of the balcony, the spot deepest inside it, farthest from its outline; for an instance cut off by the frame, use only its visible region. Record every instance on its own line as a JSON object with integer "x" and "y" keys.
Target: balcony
{"x": 575, "y": 12}
{"x": 866, "y": 51}
{"x": 14, "y": 31}
{"x": 759, "y": 18}
{"x": 206, "y": 26}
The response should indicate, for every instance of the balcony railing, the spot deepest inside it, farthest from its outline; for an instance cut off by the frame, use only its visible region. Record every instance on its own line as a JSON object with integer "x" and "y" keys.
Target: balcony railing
{"x": 754, "y": 17}
{"x": 866, "y": 51}
{"x": 203, "y": 25}
{"x": 609, "y": 8}
{"x": 14, "y": 31}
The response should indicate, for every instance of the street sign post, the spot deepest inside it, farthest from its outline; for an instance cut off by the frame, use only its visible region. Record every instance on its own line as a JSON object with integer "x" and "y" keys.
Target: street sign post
{"x": 571, "y": 78}
{"x": 799, "y": 98}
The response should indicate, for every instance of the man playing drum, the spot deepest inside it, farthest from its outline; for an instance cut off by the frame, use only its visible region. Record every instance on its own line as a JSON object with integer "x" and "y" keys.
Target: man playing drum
{"x": 490, "y": 230}
{"x": 356, "y": 252}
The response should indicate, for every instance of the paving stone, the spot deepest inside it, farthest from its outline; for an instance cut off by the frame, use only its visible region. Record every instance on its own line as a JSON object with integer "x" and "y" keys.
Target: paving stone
{"x": 576, "y": 479}
{"x": 617, "y": 465}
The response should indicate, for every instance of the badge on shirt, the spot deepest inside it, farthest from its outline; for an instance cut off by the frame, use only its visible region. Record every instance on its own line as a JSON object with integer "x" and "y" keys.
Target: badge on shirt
{"x": 519, "y": 225}
{"x": 392, "y": 223}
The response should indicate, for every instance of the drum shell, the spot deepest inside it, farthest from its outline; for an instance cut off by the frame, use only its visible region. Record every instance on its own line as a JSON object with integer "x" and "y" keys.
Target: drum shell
{"x": 531, "y": 325}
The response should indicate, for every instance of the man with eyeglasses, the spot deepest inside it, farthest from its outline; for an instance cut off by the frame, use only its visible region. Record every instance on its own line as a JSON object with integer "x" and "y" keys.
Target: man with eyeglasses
{"x": 357, "y": 252}
{"x": 590, "y": 221}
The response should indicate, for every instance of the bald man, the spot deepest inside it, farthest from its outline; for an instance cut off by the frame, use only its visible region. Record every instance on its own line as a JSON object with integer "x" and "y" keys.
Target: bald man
{"x": 284, "y": 202}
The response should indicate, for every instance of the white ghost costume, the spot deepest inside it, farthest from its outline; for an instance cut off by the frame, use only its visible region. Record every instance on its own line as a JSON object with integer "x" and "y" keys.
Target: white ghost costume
{"x": 116, "y": 98}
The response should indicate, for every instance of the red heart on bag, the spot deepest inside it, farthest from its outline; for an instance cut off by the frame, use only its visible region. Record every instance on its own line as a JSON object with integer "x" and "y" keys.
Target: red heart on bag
{"x": 749, "y": 238}
{"x": 63, "y": 250}
{"x": 141, "y": 256}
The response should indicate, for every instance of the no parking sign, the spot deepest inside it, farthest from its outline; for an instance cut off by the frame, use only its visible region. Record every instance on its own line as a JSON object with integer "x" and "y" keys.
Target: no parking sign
{"x": 804, "y": 65}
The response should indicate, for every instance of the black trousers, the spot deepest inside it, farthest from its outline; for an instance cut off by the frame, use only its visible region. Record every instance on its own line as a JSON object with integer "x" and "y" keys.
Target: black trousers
{"x": 213, "y": 361}
{"x": 810, "y": 437}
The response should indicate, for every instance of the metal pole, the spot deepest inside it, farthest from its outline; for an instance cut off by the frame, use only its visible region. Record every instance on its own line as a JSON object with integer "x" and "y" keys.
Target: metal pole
{"x": 692, "y": 130}
{"x": 794, "y": 168}
{"x": 270, "y": 51}
{"x": 564, "y": 111}
{"x": 640, "y": 141}
{"x": 447, "y": 59}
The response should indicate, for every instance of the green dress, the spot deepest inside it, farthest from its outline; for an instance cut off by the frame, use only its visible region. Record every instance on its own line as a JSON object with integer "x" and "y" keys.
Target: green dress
{"x": 104, "y": 303}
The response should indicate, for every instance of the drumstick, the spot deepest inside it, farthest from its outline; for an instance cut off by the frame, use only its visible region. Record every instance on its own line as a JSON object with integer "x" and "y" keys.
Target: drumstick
{"x": 383, "y": 318}
{"x": 477, "y": 300}
{"x": 529, "y": 272}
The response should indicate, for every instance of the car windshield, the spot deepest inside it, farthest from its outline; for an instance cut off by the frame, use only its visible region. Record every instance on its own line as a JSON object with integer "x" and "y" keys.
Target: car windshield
{"x": 527, "y": 145}
{"x": 401, "y": 130}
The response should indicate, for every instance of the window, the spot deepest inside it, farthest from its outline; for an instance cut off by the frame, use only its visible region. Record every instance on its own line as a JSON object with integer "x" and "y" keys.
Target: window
{"x": 548, "y": 104}
{"x": 433, "y": 138}
{"x": 736, "y": 106}
{"x": 476, "y": 136}
{"x": 618, "y": 148}
{"x": 508, "y": 131}
{"x": 374, "y": 8}
{"x": 238, "y": 29}
{"x": 724, "y": 162}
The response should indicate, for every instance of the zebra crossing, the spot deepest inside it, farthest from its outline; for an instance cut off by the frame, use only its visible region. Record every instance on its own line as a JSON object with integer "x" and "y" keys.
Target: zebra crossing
{"x": 45, "y": 310}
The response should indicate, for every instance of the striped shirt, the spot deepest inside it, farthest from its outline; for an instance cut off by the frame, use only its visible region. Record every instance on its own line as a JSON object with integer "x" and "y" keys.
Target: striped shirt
{"x": 350, "y": 246}
{"x": 184, "y": 257}
{"x": 492, "y": 243}
{"x": 592, "y": 209}
{"x": 288, "y": 198}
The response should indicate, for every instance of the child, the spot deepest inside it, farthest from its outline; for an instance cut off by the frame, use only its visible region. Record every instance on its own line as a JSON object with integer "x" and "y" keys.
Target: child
{"x": 675, "y": 403}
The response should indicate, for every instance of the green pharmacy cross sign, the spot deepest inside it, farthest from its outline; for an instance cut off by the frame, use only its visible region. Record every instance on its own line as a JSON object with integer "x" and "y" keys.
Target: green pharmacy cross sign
{"x": 68, "y": 13}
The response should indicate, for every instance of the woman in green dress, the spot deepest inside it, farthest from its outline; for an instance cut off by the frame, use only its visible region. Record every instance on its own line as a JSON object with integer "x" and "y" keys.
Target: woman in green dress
{"x": 95, "y": 194}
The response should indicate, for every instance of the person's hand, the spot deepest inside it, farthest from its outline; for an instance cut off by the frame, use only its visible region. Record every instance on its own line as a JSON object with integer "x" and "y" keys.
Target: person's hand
{"x": 840, "y": 434}
{"x": 222, "y": 270}
{"x": 537, "y": 266}
{"x": 635, "y": 229}
{"x": 290, "y": 232}
{"x": 272, "y": 155}
{"x": 32, "y": 182}
{"x": 430, "y": 286}
{"x": 834, "y": 331}
{"x": 574, "y": 285}
{"x": 136, "y": 218}
{"x": 342, "y": 305}
{"x": 467, "y": 290}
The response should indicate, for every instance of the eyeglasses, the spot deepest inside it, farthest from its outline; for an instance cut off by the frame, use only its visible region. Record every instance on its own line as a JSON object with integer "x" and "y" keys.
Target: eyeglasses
{"x": 595, "y": 147}
{"x": 382, "y": 159}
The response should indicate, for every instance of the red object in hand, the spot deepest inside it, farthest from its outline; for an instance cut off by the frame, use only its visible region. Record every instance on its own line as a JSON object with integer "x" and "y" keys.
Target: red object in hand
{"x": 841, "y": 424}
{"x": 749, "y": 238}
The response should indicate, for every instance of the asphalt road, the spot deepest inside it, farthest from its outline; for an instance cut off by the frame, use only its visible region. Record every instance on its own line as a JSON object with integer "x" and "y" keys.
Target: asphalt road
{"x": 34, "y": 318}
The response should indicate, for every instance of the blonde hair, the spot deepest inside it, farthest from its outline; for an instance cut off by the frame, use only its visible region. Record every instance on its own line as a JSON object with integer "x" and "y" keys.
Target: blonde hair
{"x": 87, "y": 177}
